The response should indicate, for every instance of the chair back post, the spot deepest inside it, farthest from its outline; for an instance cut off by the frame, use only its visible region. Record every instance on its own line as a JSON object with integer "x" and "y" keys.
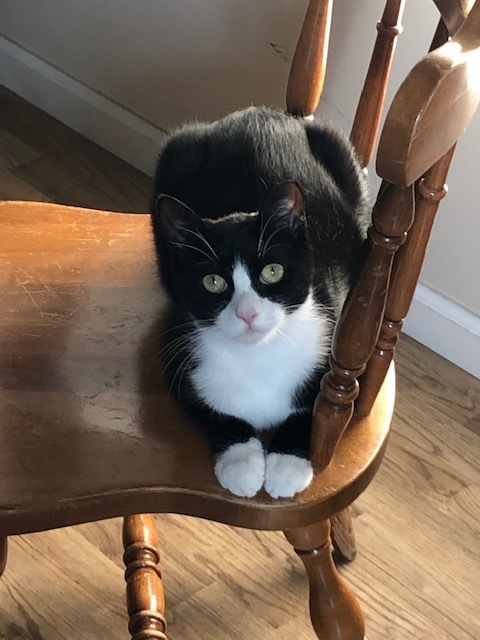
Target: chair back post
{"x": 307, "y": 72}
{"x": 357, "y": 330}
{"x": 366, "y": 122}
{"x": 334, "y": 406}
{"x": 430, "y": 190}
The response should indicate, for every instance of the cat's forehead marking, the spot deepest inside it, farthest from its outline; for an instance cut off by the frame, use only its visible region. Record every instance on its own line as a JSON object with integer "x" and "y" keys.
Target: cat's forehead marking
{"x": 236, "y": 216}
{"x": 241, "y": 279}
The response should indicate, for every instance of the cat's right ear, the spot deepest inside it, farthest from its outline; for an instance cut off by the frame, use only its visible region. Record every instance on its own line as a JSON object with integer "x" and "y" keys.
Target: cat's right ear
{"x": 174, "y": 218}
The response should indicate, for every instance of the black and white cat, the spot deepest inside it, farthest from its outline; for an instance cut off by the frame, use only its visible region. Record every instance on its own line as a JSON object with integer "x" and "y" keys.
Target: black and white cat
{"x": 259, "y": 221}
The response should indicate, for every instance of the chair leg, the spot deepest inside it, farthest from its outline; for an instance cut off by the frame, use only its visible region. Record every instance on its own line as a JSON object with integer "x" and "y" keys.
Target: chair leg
{"x": 145, "y": 599}
{"x": 3, "y": 554}
{"x": 334, "y": 610}
{"x": 343, "y": 536}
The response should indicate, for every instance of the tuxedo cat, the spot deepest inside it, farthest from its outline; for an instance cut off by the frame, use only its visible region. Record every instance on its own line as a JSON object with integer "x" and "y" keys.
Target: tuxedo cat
{"x": 259, "y": 221}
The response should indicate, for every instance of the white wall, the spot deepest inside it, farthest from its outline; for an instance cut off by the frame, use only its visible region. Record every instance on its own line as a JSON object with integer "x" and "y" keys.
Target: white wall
{"x": 452, "y": 265}
{"x": 165, "y": 60}
{"x": 124, "y": 71}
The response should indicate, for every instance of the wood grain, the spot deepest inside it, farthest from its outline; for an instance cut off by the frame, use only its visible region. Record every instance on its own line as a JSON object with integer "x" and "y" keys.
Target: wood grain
{"x": 417, "y": 573}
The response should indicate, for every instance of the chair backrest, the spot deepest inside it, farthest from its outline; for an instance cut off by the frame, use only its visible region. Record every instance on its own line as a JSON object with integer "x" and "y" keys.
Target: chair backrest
{"x": 429, "y": 113}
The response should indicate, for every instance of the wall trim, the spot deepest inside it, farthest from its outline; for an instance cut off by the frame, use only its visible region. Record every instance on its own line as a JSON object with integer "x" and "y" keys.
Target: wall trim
{"x": 92, "y": 114}
{"x": 446, "y": 328}
{"x": 435, "y": 321}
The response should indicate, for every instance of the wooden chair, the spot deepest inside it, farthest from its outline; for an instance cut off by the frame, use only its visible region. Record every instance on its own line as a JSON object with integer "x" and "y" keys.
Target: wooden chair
{"x": 86, "y": 430}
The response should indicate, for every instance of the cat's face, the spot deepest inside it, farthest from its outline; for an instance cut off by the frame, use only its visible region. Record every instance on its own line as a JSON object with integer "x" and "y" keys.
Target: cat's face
{"x": 243, "y": 273}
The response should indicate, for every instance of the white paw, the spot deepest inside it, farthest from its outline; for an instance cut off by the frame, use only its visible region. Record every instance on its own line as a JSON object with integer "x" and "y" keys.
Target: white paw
{"x": 286, "y": 475}
{"x": 241, "y": 468}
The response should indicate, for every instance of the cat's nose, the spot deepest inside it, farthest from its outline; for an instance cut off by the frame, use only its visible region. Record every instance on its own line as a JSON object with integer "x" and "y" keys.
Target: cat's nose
{"x": 248, "y": 315}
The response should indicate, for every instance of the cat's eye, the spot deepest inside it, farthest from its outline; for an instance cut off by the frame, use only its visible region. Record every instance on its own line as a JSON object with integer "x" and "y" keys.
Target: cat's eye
{"x": 214, "y": 283}
{"x": 272, "y": 273}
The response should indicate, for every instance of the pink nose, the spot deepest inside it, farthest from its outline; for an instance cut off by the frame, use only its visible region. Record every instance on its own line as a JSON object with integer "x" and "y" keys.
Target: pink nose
{"x": 248, "y": 315}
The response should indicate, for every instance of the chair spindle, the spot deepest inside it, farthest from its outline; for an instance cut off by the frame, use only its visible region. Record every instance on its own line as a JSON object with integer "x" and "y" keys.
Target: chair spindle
{"x": 369, "y": 110}
{"x": 357, "y": 330}
{"x": 406, "y": 268}
{"x": 145, "y": 598}
{"x": 343, "y": 535}
{"x": 405, "y": 273}
{"x": 307, "y": 72}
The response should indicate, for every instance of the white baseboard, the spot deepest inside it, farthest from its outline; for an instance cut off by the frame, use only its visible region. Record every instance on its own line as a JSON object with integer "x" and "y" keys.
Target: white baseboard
{"x": 446, "y": 328}
{"x": 109, "y": 124}
{"x": 433, "y": 320}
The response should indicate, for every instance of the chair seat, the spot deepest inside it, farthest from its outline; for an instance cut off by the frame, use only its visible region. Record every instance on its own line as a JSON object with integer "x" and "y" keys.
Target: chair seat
{"x": 87, "y": 428}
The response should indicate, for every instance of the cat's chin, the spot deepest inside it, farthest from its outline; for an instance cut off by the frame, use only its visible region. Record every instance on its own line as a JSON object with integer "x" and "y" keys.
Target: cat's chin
{"x": 259, "y": 333}
{"x": 254, "y": 336}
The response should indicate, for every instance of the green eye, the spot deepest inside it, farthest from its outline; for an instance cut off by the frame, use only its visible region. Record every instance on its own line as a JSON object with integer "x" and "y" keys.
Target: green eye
{"x": 214, "y": 283}
{"x": 272, "y": 273}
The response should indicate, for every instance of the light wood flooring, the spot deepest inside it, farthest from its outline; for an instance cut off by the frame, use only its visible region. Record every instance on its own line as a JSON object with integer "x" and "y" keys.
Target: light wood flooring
{"x": 417, "y": 574}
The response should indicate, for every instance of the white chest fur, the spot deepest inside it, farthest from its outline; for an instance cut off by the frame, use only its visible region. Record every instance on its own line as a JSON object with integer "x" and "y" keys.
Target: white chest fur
{"x": 257, "y": 382}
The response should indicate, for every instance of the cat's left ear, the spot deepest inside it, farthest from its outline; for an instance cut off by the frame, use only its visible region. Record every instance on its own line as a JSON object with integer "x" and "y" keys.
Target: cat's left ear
{"x": 285, "y": 202}
{"x": 174, "y": 218}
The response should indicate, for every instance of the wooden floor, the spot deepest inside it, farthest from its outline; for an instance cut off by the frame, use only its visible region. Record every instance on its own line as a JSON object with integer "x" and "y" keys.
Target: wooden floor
{"x": 417, "y": 574}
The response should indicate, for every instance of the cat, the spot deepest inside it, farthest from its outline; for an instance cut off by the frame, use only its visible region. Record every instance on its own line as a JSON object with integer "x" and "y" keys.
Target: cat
{"x": 259, "y": 221}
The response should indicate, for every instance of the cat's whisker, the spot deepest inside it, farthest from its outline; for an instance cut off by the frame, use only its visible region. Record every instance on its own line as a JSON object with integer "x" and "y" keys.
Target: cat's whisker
{"x": 167, "y": 364}
{"x": 175, "y": 346}
{"x": 181, "y": 369}
{"x": 191, "y": 246}
{"x": 275, "y": 246}
{"x": 271, "y": 236}
{"x": 179, "y": 343}
{"x": 172, "y": 340}
{"x": 287, "y": 338}
{"x": 194, "y": 323}
{"x": 260, "y": 249}
{"x": 170, "y": 359}
{"x": 185, "y": 367}
{"x": 167, "y": 351}
{"x": 201, "y": 237}
{"x": 165, "y": 332}
{"x": 166, "y": 359}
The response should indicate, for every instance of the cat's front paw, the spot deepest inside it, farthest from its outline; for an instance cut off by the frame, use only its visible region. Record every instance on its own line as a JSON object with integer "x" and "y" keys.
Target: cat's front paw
{"x": 241, "y": 468}
{"x": 286, "y": 474}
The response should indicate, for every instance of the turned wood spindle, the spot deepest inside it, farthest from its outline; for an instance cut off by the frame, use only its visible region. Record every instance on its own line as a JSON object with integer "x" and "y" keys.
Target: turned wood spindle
{"x": 369, "y": 110}
{"x": 334, "y": 610}
{"x": 145, "y": 599}
{"x": 3, "y": 553}
{"x": 407, "y": 265}
{"x": 405, "y": 273}
{"x": 343, "y": 535}
{"x": 307, "y": 71}
{"x": 357, "y": 330}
